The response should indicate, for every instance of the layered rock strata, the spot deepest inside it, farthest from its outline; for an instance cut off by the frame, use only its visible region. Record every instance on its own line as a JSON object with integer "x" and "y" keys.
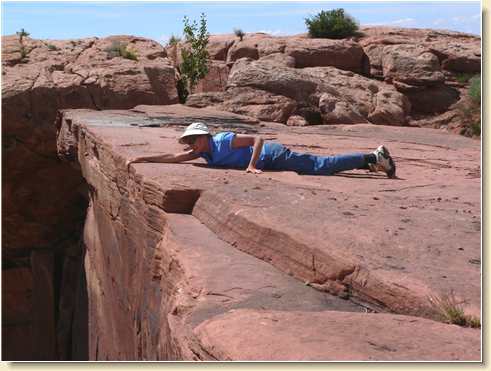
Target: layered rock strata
{"x": 44, "y": 199}
{"x": 181, "y": 257}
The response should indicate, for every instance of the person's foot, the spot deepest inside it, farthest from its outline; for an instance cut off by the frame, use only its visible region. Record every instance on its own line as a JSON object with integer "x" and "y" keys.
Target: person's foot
{"x": 384, "y": 162}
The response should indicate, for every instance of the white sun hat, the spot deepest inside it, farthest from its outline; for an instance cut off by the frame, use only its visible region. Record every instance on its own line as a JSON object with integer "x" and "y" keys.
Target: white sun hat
{"x": 196, "y": 128}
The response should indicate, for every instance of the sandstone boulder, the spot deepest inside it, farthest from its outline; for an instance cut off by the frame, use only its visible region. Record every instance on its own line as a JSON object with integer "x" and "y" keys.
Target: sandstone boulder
{"x": 335, "y": 110}
{"x": 456, "y": 51}
{"x": 261, "y": 105}
{"x": 457, "y": 56}
{"x": 215, "y": 80}
{"x": 319, "y": 94}
{"x": 343, "y": 54}
{"x": 219, "y": 45}
{"x": 255, "y": 46}
{"x": 423, "y": 64}
{"x": 296, "y": 120}
{"x": 279, "y": 59}
{"x": 411, "y": 64}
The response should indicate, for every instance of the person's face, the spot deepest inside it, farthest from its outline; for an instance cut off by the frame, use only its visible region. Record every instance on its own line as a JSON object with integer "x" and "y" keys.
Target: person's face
{"x": 198, "y": 143}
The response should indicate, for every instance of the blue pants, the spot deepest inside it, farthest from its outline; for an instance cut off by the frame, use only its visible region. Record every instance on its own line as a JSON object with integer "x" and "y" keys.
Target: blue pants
{"x": 278, "y": 157}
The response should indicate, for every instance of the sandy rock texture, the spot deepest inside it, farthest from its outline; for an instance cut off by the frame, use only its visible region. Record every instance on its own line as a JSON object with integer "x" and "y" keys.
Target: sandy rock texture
{"x": 45, "y": 200}
{"x": 422, "y": 65}
{"x": 258, "y": 335}
{"x": 180, "y": 257}
{"x": 275, "y": 86}
{"x": 272, "y": 92}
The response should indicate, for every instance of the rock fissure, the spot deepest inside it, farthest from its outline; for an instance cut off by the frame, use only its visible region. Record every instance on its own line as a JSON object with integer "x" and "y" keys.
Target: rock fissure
{"x": 128, "y": 276}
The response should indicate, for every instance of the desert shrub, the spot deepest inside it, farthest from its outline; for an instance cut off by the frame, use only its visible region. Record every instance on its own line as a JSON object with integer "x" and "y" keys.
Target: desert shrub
{"x": 333, "y": 24}
{"x": 239, "y": 33}
{"x": 195, "y": 57}
{"x": 475, "y": 89}
{"x": 463, "y": 77}
{"x": 119, "y": 49}
{"x": 451, "y": 310}
{"x": 470, "y": 108}
{"x": 22, "y": 49}
{"x": 476, "y": 128}
{"x": 52, "y": 47}
{"x": 173, "y": 40}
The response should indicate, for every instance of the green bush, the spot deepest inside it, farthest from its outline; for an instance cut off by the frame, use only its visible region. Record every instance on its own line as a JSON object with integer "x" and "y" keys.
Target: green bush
{"x": 475, "y": 89}
{"x": 195, "y": 57}
{"x": 239, "y": 33}
{"x": 463, "y": 77}
{"x": 174, "y": 40}
{"x": 333, "y": 24}
{"x": 52, "y": 47}
{"x": 119, "y": 49}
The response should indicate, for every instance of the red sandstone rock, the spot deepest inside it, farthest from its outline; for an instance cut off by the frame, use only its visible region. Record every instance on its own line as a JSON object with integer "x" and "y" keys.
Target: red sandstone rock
{"x": 412, "y": 59}
{"x": 343, "y": 54}
{"x": 215, "y": 80}
{"x": 44, "y": 199}
{"x": 246, "y": 101}
{"x": 336, "y": 96}
{"x": 411, "y": 64}
{"x": 457, "y": 52}
{"x": 296, "y": 120}
{"x": 279, "y": 59}
{"x": 283, "y": 219}
{"x": 257, "y": 335}
{"x": 17, "y": 309}
{"x": 219, "y": 45}
{"x": 79, "y": 73}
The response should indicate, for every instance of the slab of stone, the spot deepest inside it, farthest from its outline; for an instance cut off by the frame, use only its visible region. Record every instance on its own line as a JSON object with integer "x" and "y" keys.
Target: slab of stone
{"x": 356, "y": 229}
{"x": 257, "y": 335}
{"x": 353, "y": 234}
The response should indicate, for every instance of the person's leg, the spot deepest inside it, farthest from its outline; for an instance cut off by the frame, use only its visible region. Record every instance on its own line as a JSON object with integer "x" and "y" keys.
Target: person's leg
{"x": 304, "y": 163}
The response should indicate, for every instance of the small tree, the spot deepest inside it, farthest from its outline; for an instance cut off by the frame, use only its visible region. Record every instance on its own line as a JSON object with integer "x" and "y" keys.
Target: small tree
{"x": 173, "y": 40}
{"x": 23, "y": 51}
{"x": 333, "y": 24}
{"x": 22, "y": 33}
{"x": 194, "y": 55}
{"x": 239, "y": 33}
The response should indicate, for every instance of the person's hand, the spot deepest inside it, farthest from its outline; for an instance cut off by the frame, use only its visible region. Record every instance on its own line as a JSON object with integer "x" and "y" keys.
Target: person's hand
{"x": 253, "y": 170}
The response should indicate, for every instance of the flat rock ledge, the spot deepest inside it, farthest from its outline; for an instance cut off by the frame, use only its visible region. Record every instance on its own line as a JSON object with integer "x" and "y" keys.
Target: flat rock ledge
{"x": 188, "y": 262}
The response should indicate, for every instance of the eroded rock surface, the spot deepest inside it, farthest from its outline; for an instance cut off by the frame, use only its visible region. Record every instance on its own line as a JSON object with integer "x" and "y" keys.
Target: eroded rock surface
{"x": 178, "y": 252}
{"x": 333, "y": 336}
{"x": 44, "y": 199}
{"x": 272, "y": 92}
{"x": 336, "y": 82}
{"x": 425, "y": 66}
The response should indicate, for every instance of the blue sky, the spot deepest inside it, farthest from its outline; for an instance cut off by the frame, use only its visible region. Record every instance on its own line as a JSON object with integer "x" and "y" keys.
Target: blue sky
{"x": 159, "y": 20}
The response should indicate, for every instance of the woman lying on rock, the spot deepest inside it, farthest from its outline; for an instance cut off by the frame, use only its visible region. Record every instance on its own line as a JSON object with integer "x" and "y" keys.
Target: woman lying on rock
{"x": 251, "y": 153}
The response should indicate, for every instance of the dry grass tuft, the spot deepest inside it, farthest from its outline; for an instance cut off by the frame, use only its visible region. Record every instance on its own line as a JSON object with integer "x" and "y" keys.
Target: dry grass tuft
{"x": 451, "y": 310}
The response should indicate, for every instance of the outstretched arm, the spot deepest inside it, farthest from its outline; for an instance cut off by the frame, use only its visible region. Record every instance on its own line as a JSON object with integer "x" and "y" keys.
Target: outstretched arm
{"x": 166, "y": 158}
{"x": 241, "y": 140}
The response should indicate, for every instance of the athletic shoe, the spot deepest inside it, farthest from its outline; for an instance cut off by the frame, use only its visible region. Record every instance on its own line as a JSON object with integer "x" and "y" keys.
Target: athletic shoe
{"x": 385, "y": 162}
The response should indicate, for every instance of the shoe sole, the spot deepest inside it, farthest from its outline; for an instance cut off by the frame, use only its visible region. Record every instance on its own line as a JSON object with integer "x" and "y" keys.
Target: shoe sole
{"x": 391, "y": 173}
